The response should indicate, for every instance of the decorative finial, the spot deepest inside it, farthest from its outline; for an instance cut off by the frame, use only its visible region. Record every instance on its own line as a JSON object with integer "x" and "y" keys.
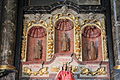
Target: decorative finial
{"x": 64, "y": 9}
{"x": 91, "y": 16}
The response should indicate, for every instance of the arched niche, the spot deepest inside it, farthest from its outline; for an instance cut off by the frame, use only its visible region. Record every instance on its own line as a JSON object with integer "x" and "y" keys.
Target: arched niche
{"x": 36, "y": 44}
{"x": 91, "y": 43}
{"x": 64, "y": 36}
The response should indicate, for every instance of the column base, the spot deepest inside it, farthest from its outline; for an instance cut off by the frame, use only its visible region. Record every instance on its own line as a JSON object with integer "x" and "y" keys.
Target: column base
{"x": 6, "y": 69}
{"x": 117, "y": 67}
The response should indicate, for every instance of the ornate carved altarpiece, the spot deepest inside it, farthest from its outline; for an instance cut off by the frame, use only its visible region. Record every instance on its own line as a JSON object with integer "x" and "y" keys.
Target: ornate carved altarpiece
{"x": 64, "y": 37}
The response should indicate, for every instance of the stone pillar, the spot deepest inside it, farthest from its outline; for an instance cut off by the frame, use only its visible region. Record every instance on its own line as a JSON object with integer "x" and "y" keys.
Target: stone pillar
{"x": 8, "y": 35}
{"x": 116, "y": 30}
{"x": 117, "y": 46}
{"x": 116, "y": 74}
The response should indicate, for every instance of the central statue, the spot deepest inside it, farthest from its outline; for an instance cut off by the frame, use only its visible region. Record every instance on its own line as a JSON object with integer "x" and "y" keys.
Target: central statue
{"x": 38, "y": 50}
{"x": 92, "y": 51}
{"x": 65, "y": 46}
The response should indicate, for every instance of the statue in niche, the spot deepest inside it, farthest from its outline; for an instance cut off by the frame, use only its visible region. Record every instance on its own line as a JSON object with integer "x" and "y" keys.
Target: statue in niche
{"x": 38, "y": 50}
{"x": 92, "y": 51}
{"x": 65, "y": 42}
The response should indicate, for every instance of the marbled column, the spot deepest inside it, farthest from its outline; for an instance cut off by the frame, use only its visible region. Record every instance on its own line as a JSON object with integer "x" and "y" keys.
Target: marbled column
{"x": 8, "y": 34}
{"x": 116, "y": 30}
{"x": 116, "y": 37}
{"x": 117, "y": 44}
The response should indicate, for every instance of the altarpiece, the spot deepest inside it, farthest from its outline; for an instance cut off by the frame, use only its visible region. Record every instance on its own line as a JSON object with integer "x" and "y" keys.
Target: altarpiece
{"x": 64, "y": 37}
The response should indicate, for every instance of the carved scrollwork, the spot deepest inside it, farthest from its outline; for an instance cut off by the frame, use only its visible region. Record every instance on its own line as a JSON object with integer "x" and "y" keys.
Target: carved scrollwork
{"x": 99, "y": 71}
{"x": 64, "y": 16}
{"x": 41, "y": 72}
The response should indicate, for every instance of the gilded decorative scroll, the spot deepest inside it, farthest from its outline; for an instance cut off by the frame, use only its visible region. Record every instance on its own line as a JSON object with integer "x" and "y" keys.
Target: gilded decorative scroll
{"x": 42, "y": 71}
{"x": 99, "y": 71}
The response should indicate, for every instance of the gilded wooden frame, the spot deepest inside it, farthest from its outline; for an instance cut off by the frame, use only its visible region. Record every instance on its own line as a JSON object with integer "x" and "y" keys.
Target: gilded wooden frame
{"x": 50, "y": 27}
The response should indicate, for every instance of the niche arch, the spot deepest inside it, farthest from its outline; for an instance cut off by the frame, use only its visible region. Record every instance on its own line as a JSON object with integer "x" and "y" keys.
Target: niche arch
{"x": 36, "y": 43}
{"x": 92, "y": 43}
{"x": 64, "y": 36}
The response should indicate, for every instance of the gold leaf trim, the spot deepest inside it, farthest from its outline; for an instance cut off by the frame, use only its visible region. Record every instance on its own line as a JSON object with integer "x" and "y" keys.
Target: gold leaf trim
{"x": 117, "y": 67}
{"x": 99, "y": 71}
{"x": 42, "y": 71}
{"x": 9, "y": 67}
